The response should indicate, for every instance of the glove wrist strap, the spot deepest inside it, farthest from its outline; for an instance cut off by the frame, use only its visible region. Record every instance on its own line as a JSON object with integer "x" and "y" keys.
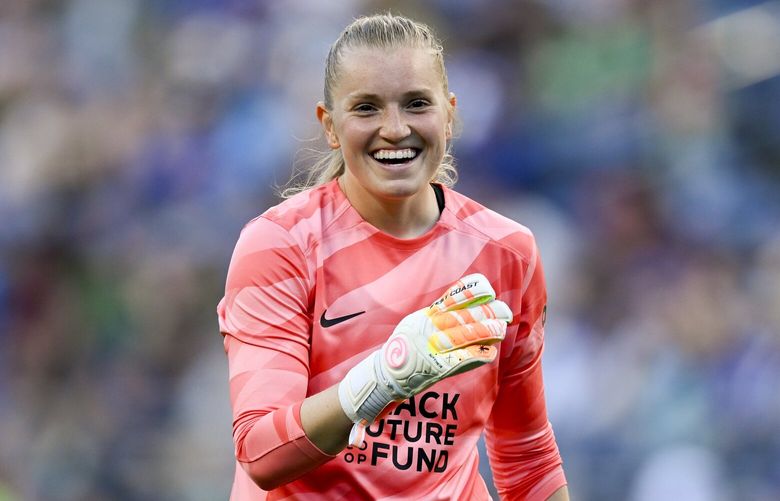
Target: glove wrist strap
{"x": 364, "y": 394}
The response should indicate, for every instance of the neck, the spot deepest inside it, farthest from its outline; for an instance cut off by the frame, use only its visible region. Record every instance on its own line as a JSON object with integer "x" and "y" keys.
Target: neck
{"x": 403, "y": 217}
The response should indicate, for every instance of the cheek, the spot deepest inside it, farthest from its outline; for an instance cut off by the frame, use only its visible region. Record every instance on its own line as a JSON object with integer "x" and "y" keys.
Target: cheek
{"x": 439, "y": 127}
{"x": 439, "y": 134}
{"x": 354, "y": 134}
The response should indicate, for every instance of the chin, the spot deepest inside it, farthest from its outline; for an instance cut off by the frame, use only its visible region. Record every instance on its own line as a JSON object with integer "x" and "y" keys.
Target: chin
{"x": 402, "y": 188}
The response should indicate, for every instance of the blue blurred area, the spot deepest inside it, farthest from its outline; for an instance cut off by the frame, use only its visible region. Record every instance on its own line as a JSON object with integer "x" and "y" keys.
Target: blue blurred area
{"x": 640, "y": 141}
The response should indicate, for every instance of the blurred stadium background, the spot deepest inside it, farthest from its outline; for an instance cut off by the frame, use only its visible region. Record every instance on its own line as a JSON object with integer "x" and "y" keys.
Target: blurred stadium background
{"x": 640, "y": 141}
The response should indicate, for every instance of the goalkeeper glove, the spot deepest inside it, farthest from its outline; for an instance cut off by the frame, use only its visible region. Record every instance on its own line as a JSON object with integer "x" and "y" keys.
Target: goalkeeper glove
{"x": 453, "y": 335}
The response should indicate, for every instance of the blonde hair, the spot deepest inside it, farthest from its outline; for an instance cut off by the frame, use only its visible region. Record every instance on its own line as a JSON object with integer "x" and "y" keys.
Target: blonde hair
{"x": 378, "y": 31}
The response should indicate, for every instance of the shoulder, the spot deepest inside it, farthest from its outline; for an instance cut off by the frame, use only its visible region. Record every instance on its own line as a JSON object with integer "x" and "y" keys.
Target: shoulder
{"x": 318, "y": 201}
{"x": 478, "y": 220}
{"x": 300, "y": 219}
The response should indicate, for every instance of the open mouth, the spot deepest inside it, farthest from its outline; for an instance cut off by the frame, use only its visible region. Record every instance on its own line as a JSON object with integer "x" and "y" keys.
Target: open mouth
{"x": 395, "y": 157}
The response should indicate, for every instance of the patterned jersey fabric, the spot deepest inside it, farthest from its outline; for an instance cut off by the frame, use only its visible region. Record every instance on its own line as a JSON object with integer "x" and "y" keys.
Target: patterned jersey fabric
{"x": 312, "y": 289}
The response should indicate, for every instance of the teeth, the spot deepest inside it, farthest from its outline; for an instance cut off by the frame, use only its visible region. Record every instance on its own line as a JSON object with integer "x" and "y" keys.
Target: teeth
{"x": 395, "y": 154}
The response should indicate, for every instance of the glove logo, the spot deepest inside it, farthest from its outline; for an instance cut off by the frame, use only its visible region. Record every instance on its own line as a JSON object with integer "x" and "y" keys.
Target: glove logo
{"x": 396, "y": 353}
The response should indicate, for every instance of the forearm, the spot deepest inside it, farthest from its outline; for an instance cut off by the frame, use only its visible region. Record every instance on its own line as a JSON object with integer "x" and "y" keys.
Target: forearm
{"x": 311, "y": 438}
{"x": 272, "y": 442}
{"x": 561, "y": 494}
{"x": 523, "y": 452}
{"x": 324, "y": 421}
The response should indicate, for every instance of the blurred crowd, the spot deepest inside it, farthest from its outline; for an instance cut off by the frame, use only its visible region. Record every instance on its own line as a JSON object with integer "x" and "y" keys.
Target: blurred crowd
{"x": 640, "y": 141}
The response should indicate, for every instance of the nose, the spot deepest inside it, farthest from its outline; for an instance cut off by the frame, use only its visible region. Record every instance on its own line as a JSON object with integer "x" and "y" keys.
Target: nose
{"x": 394, "y": 125}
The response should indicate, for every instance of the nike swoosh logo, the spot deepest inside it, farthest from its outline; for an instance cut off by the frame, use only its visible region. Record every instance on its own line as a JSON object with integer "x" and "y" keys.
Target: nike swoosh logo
{"x": 330, "y": 322}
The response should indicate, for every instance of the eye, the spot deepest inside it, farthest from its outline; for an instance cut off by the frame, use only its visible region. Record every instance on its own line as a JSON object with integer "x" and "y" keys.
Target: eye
{"x": 418, "y": 104}
{"x": 364, "y": 108}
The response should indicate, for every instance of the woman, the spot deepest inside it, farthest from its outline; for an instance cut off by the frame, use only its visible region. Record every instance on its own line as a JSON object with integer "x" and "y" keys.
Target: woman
{"x": 331, "y": 322}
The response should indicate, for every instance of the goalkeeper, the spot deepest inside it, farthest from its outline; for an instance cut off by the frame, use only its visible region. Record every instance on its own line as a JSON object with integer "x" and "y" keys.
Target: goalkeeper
{"x": 377, "y": 322}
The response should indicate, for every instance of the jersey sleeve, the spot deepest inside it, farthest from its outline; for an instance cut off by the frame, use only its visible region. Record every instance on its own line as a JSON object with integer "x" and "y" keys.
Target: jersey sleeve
{"x": 521, "y": 445}
{"x": 263, "y": 317}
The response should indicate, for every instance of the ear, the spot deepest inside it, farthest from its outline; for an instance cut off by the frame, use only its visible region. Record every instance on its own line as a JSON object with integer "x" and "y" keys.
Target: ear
{"x": 453, "y": 103}
{"x": 323, "y": 115}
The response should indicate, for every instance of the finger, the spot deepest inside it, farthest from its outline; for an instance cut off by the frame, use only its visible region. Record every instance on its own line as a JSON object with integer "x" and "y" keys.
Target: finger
{"x": 494, "y": 309}
{"x": 468, "y": 291}
{"x": 485, "y": 332}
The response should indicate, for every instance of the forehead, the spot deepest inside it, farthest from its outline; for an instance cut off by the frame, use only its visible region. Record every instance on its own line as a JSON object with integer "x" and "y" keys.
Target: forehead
{"x": 387, "y": 70}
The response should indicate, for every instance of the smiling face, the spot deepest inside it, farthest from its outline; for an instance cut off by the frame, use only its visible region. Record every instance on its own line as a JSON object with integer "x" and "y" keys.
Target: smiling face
{"x": 392, "y": 118}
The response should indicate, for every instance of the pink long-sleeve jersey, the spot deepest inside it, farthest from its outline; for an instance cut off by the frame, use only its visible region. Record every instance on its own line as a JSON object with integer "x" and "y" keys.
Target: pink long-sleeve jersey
{"x": 313, "y": 288}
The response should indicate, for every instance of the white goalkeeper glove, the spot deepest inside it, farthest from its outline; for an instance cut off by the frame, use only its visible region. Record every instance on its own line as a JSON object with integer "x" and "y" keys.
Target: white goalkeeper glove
{"x": 453, "y": 335}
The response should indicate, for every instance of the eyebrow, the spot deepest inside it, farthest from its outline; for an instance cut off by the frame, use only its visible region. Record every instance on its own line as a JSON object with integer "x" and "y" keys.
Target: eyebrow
{"x": 375, "y": 97}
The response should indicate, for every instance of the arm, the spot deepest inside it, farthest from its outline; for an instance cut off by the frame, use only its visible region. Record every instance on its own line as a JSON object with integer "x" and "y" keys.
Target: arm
{"x": 324, "y": 421}
{"x": 279, "y": 434}
{"x": 523, "y": 453}
{"x": 561, "y": 494}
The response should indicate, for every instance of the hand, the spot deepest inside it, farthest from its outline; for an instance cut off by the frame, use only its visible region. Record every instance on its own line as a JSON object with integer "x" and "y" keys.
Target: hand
{"x": 453, "y": 335}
